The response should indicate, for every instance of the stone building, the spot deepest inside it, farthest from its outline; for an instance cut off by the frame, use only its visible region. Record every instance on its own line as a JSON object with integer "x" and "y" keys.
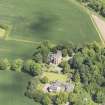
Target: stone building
{"x": 55, "y": 58}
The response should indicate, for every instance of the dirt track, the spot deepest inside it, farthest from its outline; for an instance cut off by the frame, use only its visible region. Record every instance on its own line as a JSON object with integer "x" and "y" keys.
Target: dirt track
{"x": 100, "y": 23}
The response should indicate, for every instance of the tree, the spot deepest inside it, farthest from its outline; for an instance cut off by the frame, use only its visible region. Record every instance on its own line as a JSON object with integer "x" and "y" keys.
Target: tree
{"x": 44, "y": 80}
{"x": 70, "y": 52}
{"x": 99, "y": 96}
{"x": 28, "y": 65}
{"x": 36, "y": 69}
{"x": 87, "y": 61}
{"x": 64, "y": 52}
{"x": 17, "y": 65}
{"x": 32, "y": 67}
{"x": 77, "y": 77}
{"x": 44, "y": 52}
{"x": 37, "y": 57}
{"x": 66, "y": 48}
{"x": 76, "y": 61}
{"x": 37, "y": 96}
{"x": 32, "y": 91}
{"x": 102, "y": 12}
{"x": 44, "y": 49}
{"x": 46, "y": 100}
{"x": 61, "y": 98}
{"x": 96, "y": 47}
{"x": 66, "y": 67}
{"x": 70, "y": 48}
{"x": 5, "y": 64}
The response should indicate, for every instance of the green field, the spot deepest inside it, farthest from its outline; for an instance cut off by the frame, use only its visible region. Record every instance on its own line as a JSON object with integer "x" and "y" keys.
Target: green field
{"x": 12, "y": 88}
{"x": 56, "y": 20}
{"x": 37, "y": 20}
{"x": 13, "y": 50}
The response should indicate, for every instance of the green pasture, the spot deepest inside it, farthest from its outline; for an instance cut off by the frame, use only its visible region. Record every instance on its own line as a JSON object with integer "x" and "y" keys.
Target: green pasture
{"x": 12, "y": 88}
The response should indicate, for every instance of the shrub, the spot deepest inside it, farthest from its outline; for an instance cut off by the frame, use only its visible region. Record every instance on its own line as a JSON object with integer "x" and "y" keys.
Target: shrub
{"x": 44, "y": 80}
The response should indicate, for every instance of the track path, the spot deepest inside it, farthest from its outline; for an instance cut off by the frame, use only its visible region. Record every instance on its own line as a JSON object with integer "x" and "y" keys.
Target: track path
{"x": 22, "y": 40}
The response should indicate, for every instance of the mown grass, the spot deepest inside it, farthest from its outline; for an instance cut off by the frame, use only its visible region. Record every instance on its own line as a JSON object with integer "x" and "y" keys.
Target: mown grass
{"x": 54, "y": 76}
{"x": 12, "y": 88}
{"x": 55, "y": 20}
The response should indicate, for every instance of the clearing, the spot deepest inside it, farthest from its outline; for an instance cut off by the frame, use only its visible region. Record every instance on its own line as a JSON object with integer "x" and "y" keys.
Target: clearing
{"x": 54, "y": 76}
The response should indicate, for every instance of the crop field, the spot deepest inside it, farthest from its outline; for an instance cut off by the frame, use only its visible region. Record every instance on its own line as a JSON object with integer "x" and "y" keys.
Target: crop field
{"x": 31, "y": 21}
{"x": 12, "y": 88}
{"x": 55, "y": 20}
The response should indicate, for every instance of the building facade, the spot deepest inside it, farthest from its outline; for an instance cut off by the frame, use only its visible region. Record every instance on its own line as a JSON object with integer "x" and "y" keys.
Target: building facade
{"x": 55, "y": 58}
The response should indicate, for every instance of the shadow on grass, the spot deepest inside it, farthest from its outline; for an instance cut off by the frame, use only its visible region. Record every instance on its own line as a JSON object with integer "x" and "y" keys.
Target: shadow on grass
{"x": 44, "y": 23}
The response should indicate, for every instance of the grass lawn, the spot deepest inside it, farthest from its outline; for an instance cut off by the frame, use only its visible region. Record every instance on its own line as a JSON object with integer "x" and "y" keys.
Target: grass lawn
{"x": 12, "y": 88}
{"x": 54, "y": 76}
{"x": 55, "y": 20}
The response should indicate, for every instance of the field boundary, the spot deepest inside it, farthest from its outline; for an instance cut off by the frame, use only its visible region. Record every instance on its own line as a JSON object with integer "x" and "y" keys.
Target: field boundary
{"x": 97, "y": 29}
{"x": 38, "y": 42}
{"x": 22, "y": 40}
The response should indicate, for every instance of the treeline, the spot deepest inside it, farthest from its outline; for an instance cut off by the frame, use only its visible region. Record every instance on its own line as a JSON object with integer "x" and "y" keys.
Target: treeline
{"x": 97, "y": 5}
{"x": 19, "y": 65}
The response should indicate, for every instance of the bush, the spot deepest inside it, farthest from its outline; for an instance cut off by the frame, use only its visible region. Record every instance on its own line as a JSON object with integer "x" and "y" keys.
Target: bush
{"x": 44, "y": 80}
{"x": 96, "y": 5}
{"x": 46, "y": 100}
{"x": 17, "y": 65}
{"x": 5, "y": 64}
